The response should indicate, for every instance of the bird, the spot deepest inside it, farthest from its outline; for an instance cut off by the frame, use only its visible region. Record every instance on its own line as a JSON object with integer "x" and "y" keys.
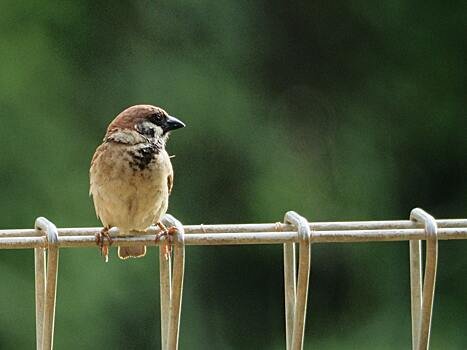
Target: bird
{"x": 131, "y": 175}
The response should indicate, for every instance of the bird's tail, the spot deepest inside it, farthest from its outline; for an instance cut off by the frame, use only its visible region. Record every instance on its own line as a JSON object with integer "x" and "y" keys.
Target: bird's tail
{"x": 131, "y": 252}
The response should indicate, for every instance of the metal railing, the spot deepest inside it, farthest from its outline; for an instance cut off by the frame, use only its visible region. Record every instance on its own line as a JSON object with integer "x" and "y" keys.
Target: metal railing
{"x": 294, "y": 229}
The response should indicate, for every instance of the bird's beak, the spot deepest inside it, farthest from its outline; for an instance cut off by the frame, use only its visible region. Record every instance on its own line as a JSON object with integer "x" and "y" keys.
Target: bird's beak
{"x": 172, "y": 123}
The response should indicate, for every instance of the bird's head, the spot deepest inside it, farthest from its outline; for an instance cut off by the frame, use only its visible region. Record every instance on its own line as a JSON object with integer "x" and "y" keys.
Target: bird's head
{"x": 149, "y": 122}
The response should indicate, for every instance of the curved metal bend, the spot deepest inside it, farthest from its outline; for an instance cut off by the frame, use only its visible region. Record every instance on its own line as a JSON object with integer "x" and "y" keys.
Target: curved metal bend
{"x": 296, "y": 302}
{"x": 44, "y": 225}
{"x": 422, "y": 302}
{"x": 46, "y": 291}
{"x": 175, "y": 288}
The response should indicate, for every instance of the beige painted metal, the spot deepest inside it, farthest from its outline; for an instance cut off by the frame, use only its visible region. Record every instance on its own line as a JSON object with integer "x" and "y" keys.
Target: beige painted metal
{"x": 172, "y": 286}
{"x": 165, "y": 271}
{"x": 177, "y": 283}
{"x": 290, "y": 290}
{"x": 415, "y": 252}
{"x": 422, "y": 301}
{"x": 49, "y": 298}
{"x": 40, "y": 272}
{"x": 356, "y": 226}
{"x": 295, "y": 230}
{"x": 304, "y": 266}
{"x": 342, "y": 236}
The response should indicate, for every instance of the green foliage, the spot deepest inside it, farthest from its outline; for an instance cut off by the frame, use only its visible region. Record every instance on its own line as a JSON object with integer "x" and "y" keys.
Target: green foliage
{"x": 336, "y": 110}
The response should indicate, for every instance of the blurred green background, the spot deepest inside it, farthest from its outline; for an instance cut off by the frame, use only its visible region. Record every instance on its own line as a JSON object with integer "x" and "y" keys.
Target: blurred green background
{"x": 338, "y": 110}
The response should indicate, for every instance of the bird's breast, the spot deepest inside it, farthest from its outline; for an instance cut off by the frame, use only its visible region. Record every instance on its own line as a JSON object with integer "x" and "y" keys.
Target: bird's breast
{"x": 143, "y": 157}
{"x": 129, "y": 184}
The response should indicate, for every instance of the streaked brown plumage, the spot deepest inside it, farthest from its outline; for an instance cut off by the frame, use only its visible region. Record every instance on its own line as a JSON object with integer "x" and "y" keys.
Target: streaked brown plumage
{"x": 131, "y": 175}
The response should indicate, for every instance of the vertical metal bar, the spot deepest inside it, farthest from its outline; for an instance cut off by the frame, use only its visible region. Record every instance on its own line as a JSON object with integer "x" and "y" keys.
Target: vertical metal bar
{"x": 431, "y": 262}
{"x": 415, "y": 288}
{"x": 428, "y": 293}
{"x": 50, "y": 298}
{"x": 39, "y": 269}
{"x": 51, "y": 282}
{"x": 165, "y": 288}
{"x": 302, "y": 296}
{"x": 290, "y": 291}
{"x": 172, "y": 289}
{"x": 177, "y": 289}
{"x": 304, "y": 267}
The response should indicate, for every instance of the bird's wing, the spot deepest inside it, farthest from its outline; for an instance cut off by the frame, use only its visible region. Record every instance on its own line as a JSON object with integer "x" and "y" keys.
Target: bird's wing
{"x": 96, "y": 155}
{"x": 92, "y": 185}
{"x": 170, "y": 182}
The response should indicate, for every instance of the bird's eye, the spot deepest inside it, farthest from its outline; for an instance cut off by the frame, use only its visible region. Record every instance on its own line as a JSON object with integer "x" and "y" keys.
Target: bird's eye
{"x": 155, "y": 118}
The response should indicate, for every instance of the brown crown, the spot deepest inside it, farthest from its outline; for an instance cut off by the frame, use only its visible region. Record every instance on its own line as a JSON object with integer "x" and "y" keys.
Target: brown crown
{"x": 132, "y": 115}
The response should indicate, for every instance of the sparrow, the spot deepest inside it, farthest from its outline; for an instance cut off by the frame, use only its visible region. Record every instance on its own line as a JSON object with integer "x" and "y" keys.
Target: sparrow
{"x": 131, "y": 175}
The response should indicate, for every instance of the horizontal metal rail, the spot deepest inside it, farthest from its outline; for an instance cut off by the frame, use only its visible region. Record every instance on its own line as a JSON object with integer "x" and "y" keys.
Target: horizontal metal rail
{"x": 242, "y": 228}
{"x": 232, "y": 235}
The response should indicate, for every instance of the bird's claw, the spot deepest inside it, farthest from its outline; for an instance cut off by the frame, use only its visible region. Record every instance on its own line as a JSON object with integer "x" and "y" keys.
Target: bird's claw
{"x": 168, "y": 233}
{"x": 100, "y": 241}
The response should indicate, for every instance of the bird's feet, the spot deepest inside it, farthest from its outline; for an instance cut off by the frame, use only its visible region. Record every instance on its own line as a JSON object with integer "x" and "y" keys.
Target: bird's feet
{"x": 168, "y": 233}
{"x": 100, "y": 241}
